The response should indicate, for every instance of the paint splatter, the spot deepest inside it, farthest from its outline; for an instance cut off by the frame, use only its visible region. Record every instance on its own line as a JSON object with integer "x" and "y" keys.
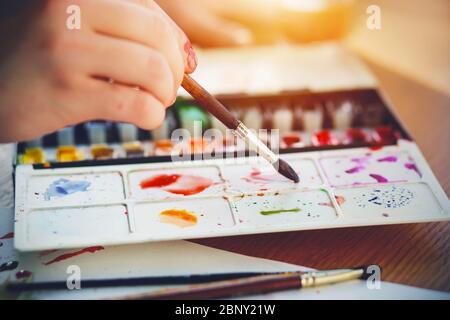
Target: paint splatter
{"x": 376, "y": 148}
{"x": 73, "y": 254}
{"x": 389, "y": 198}
{"x": 354, "y": 170}
{"x": 340, "y": 200}
{"x": 177, "y": 184}
{"x": 268, "y": 213}
{"x": 64, "y": 187}
{"x": 9, "y": 235}
{"x": 379, "y": 178}
{"x": 412, "y": 166}
{"x": 180, "y": 218}
{"x": 386, "y": 215}
{"x": 23, "y": 274}
{"x": 388, "y": 159}
{"x": 10, "y": 265}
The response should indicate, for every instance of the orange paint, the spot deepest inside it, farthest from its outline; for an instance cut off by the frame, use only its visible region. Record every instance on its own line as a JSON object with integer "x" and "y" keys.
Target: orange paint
{"x": 159, "y": 181}
{"x": 180, "y": 218}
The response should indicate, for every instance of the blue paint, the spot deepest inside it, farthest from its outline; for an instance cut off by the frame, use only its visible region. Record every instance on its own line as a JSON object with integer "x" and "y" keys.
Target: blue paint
{"x": 64, "y": 187}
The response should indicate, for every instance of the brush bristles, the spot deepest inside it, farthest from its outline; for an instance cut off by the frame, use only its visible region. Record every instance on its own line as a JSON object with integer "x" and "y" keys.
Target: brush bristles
{"x": 286, "y": 170}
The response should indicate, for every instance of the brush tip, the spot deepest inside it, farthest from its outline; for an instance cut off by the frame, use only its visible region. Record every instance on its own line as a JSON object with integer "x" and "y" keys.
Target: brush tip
{"x": 286, "y": 170}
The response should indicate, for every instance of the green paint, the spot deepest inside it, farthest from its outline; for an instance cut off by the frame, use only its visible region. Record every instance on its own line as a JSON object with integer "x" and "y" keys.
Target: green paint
{"x": 267, "y": 213}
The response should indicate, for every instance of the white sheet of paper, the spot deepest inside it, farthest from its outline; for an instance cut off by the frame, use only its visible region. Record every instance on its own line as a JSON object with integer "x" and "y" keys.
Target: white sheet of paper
{"x": 174, "y": 258}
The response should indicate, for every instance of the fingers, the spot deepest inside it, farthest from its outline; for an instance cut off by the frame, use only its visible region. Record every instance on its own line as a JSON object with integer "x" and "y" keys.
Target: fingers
{"x": 131, "y": 64}
{"x": 115, "y": 102}
{"x": 184, "y": 42}
{"x": 206, "y": 28}
{"x": 126, "y": 20}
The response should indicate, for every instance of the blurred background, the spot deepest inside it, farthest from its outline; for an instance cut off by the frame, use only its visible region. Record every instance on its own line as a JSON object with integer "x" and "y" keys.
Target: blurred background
{"x": 413, "y": 40}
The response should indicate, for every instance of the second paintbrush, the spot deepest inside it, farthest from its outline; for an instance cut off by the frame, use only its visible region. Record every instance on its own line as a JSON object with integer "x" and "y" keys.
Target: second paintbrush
{"x": 213, "y": 106}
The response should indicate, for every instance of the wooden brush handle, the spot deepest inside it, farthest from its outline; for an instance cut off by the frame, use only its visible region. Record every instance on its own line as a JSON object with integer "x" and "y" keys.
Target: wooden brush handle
{"x": 211, "y": 104}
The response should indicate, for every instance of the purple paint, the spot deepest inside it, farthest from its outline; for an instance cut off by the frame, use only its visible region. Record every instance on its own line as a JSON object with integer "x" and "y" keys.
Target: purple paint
{"x": 412, "y": 166}
{"x": 354, "y": 170}
{"x": 379, "y": 178}
{"x": 388, "y": 159}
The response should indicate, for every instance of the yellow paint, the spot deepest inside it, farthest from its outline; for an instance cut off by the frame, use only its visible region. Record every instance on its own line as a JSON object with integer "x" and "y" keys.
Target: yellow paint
{"x": 68, "y": 154}
{"x": 33, "y": 155}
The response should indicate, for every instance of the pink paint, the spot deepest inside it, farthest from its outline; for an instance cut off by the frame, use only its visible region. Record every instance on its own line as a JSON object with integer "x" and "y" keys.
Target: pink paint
{"x": 256, "y": 176}
{"x": 379, "y": 178}
{"x": 388, "y": 159}
{"x": 412, "y": 166}
{"x": 354, "y": 170}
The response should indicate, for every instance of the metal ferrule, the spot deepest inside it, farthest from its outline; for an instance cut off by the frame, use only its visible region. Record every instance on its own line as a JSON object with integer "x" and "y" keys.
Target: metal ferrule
{"x": 255, "y": 143}
{"x": 313, "y": 279}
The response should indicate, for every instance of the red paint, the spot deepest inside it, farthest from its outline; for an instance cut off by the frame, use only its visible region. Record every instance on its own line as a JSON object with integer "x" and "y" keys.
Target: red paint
{"x": 291, "y": 139}
{"x": 23, "y": 274}
{"x": 159, "y": 181}
{"x": 73, "y": 254}
{"x": 324, "y": 138}
{"x": 126, "y": 213}
{"x": 356, "y": 135}
{"x": 9, "y": 235}
{"x": 385, "y": 135}
{"x": 178, "y": 184}
{"x": 47, "y": 252}
{"x": 260, "y": 194}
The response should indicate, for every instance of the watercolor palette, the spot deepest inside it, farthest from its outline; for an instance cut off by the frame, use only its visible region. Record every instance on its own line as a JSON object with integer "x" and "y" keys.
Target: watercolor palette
{"x": 131, "y": 203}
{"x": 102, "y": 183}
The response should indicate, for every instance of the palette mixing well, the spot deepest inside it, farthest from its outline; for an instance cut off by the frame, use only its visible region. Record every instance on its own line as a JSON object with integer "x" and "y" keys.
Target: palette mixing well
{"x": 119, "y": 204}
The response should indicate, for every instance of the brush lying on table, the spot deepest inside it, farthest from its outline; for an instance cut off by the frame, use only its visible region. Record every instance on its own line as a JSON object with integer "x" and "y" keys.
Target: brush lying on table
{"x": 213, "y": 106}
{"x": 254, "y": 285}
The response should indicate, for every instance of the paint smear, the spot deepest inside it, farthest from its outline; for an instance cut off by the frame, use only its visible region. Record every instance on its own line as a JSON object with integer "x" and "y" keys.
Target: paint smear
{"x": 179, "y": 218}
{"x": 268, "y": 213}
{"x": 354, "y": 170}
{"x": 379, "y": 178}
{"x": 256, "y": 176}
{"x": 23, "y": 274}
{"x": 412, "y": 166}
{"x": 177, "y": 184}
{"x": 388, "y": 159}
{"x": 47, "y": 252}
{"x": 64, "y": 187}
{"x": 9, "y": 235}
{"x": 74, "y": 254}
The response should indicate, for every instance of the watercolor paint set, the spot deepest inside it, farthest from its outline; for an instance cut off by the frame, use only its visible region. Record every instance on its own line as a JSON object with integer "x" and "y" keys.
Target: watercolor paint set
{"x": 102, "y": 183}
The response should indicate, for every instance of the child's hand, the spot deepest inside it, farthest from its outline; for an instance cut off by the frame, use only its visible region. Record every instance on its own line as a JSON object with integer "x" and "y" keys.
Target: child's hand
{"x": 52, "y": 77}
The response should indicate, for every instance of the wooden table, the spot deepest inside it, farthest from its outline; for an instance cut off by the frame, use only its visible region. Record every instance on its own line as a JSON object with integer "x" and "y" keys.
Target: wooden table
{"x": 412, "y": 254}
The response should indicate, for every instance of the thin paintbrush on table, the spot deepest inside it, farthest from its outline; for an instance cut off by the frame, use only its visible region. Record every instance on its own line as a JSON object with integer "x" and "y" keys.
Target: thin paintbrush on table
{"x": 213, "y": 106}
{"x": 254, "y": 285}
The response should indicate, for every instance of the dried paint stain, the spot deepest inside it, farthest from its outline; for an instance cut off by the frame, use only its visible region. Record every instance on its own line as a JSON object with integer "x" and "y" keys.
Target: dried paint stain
{"x": 64, "y": 187}
{"x": 180, "y": 218}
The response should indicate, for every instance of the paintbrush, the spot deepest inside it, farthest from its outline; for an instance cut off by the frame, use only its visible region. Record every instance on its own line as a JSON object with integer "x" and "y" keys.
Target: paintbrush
{"x": 254, "y": 285}
{"x": 213, "y": 106}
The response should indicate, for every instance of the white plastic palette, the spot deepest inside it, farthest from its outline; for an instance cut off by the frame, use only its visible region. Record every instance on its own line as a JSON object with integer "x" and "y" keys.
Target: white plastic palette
{"x": 105, "y": 205}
